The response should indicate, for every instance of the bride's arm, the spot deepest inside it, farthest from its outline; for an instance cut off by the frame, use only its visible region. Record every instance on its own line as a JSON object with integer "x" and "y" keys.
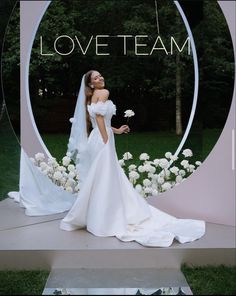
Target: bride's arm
{"x": 123, "y": 129}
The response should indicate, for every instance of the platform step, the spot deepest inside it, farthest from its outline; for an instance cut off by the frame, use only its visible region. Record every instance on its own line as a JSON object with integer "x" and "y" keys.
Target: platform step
{"x": 116, "y": 281}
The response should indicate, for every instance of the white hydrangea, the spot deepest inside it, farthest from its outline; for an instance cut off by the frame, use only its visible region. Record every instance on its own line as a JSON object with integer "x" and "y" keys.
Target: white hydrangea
{"x": 141, "y": 169}
{"x": 72, "y": 119}
{"x": 174, "y": 157}
{"x": 71, "y": 174}
{"x": 168, "y": 155}
{"x": 191, "y": 168}
{"x": 144, "y": 156}
{"x": 127, "y": 156}
{"x": 39, "y": 156}
{"x": 133, "y": 175}
{"x": 156, "y": 161}
{"x": 57, "y": 175}
{"x": 185, "y": 163}
{"x": 174, "y": 170}
{"x": 147, "y": 190}
{"x": 182, "y": 173}
{"x": 121, "y": 162}
{"x": 178, "y": 179}
{"x": 166, "y": 186}
{"x": 187, "y": 153}
{"x": 43, "y": 165}
{"x": 66, "y": 160}
{"x": 164, "y": 163}
{"x": 71, "y": 168}
{"x": 155, "y": 176}
{"x": 61, "y": 168}
{"x": 167, "y": 173}
{"x": 147, "y": 182}
{"x": 69, "y": 154}
{"x": 198, "y": 163}
{"x": 132, "y": 167}
{"x": 150, "y": 175}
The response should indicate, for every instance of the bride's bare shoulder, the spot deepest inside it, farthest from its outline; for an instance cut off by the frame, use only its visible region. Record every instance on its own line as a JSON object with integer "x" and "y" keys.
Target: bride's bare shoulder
{"x": 102, "y": 94}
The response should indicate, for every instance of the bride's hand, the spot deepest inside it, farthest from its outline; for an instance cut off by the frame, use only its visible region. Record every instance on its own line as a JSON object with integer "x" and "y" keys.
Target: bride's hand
{"x": 124, "y": 129}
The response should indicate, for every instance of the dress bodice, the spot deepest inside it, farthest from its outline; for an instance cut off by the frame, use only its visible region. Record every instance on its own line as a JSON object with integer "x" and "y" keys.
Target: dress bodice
{"x": 106, "y": 109}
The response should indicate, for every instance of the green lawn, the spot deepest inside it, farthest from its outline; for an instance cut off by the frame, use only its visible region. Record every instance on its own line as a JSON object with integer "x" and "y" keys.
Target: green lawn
{"x": 208, "y": 280}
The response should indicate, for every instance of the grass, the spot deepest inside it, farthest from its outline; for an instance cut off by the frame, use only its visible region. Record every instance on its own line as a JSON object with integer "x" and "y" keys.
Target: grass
{"x": 207, "y": 280}
{"x": 211, "y": 280}
{"x": 22, "y": 282}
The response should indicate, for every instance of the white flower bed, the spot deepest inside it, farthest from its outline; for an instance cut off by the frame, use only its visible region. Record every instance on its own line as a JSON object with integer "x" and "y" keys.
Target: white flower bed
{"x": 148, "y": 177}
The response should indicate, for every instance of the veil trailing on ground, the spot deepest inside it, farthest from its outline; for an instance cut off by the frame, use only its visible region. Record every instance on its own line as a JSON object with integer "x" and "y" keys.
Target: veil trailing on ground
{"x": 78, "y": 135}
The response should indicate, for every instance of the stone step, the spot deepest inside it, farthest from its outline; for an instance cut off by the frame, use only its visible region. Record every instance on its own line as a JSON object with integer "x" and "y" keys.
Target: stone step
{"x": 116, "y": 281}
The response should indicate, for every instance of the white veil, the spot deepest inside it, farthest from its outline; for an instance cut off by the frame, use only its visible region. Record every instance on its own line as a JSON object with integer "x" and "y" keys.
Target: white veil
{"x": 78, "y": 135}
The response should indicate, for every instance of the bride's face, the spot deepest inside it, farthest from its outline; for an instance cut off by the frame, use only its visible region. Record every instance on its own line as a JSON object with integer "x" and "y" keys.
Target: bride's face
{"x": 97, "y": 80}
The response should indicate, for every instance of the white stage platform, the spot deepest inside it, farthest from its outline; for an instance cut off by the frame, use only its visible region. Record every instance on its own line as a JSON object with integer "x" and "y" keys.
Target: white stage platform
{"x": 37, "y": 242}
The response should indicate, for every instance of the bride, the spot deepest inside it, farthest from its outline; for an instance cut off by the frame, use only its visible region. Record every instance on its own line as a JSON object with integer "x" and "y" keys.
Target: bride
{"x": 107, "y": 203}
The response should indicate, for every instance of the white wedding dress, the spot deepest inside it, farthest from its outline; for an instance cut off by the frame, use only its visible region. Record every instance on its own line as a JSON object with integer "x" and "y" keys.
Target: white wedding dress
{"x": 108, "y": 205}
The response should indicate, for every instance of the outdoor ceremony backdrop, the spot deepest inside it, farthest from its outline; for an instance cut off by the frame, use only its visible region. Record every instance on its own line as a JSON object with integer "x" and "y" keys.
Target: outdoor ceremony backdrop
{"x": 150, "y": 85}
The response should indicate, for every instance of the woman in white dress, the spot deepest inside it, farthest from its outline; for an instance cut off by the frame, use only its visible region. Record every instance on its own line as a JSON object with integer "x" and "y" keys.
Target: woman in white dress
{"x": 107, "y": 203}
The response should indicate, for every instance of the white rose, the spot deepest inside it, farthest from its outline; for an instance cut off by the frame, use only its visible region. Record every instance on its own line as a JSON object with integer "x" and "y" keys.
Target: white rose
{"x": 129, "y": 113}
{"x": 141, "y": 169}
{"x": 152, "y": 169}
{"x": 57, "y": 175}
{"x": 66, "y": 160}
{"x": 61, "y": 168}
{"x": 132, "y": 167}
{"x": 168, "y": 155}
{"x": 71, "y": 168}
{"x": 39, "y": 156}
{"x": 187, "y": 153}
{"x": 178, "y": 179}
{"x": 127, "y": 156}
{"x": 147, "y": 182}
{"x": 166, "y": 186}
{"x": 146, "y": 167}
{"x": 198, "y": 163}
{"x": 121, "y": 162}
{"x": 164, "y": 163}
{"x": 174, "y": 170}
{"x": 144, "y": 156}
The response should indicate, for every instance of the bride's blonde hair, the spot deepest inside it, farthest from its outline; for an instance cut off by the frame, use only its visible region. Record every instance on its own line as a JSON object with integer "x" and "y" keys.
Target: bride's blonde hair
{"x": 88, "y": 93}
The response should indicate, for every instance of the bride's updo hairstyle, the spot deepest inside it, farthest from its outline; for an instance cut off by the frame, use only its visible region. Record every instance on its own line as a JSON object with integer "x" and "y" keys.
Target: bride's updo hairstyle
{"x": 88, "y": 93}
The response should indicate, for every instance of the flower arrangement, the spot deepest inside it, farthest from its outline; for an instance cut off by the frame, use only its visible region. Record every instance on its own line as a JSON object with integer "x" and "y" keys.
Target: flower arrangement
{"x": 152, "y": 177}
{"x": 149, "y": 177}
{"x": 62, "y": 173}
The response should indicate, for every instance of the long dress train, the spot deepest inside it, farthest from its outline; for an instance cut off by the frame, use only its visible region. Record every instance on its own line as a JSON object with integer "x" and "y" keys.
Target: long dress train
{"x": 108, "y": 205}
